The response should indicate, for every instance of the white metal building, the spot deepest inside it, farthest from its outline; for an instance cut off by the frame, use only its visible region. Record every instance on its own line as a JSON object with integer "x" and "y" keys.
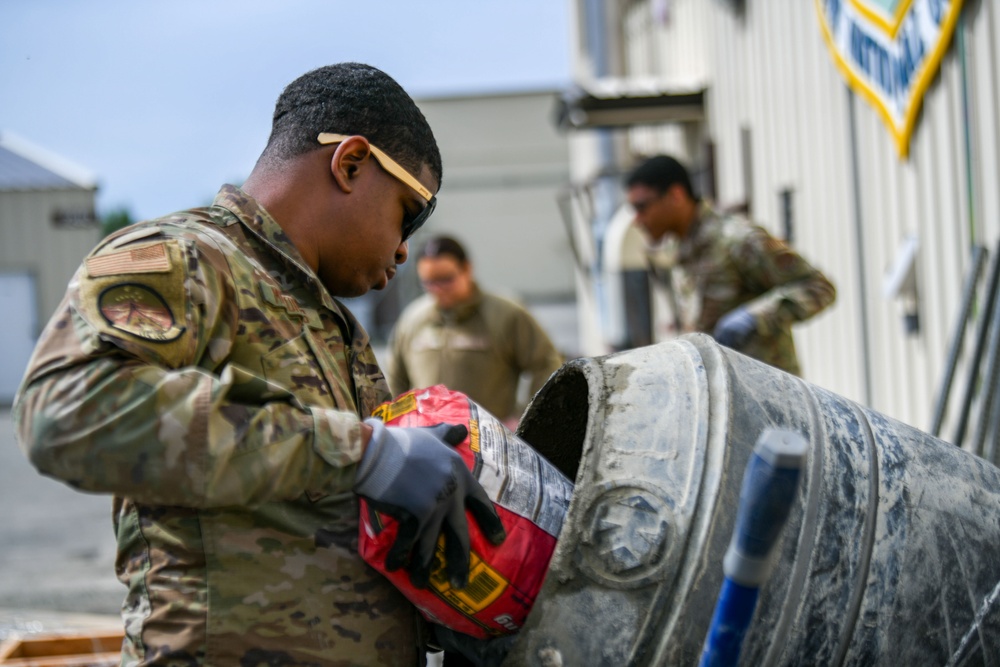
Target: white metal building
{"x": 751, "y": 95}
{"x": 47, "y": 225}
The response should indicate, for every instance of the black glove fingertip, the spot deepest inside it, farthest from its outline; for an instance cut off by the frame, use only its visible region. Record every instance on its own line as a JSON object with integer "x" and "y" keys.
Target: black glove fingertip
{"x": 394, "y": 560}
{"x": 455, "y": 434}
{"x": 492, "y": 529}
{"x": 458, "y": 572}
{"x": 457, "y": 564}
{"x": 402, "y": 546}
{"x": 490, "y": 524}
{"x": 497, "y": 536}
{"x": 420, "y": 576}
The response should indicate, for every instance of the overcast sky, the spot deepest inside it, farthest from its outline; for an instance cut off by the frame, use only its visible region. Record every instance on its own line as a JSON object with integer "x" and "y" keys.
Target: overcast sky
{"x": 165, "y": 100}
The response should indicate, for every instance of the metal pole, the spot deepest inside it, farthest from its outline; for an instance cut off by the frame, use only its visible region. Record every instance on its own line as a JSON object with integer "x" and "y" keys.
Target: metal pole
{"x": 991, "y": 375}
{"x": 565, "y": 204}
{"x": 957, "y": 338}
{"x": 977, "y": 355}
{"x": 993, "y": 432}
{"x": 859, "y": 243}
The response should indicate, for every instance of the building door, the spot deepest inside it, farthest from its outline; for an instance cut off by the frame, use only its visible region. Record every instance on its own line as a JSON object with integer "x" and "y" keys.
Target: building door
{"x": 17, "y": 338}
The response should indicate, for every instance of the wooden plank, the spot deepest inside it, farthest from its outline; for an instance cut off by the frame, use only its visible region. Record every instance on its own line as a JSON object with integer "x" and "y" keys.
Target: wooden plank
{"x": 109, "y": 659}
{"x": 62, "y": 650}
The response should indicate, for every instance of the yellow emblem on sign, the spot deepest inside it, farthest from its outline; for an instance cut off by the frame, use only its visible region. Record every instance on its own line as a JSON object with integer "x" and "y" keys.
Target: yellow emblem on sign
{"x": 889, "y": 51}
{"x": 401, "y": 406}
{"x": 484, "y": 587}
{"x": 138, "y": 310}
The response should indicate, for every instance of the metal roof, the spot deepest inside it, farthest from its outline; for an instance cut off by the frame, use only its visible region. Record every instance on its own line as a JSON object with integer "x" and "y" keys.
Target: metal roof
{"x": 24, "y": 166}
{"x": 616, "y": 102}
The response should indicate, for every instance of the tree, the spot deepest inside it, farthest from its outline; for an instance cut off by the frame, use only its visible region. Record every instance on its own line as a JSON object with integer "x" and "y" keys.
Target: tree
{"x": 116, "y": 219}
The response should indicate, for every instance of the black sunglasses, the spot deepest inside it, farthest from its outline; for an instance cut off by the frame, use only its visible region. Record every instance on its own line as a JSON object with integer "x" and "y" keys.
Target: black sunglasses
{"x": 410, "y": 225}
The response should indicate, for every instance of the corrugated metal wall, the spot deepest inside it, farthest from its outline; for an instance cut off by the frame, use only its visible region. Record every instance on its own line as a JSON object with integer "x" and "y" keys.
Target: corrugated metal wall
{"x": 772, "y": 79}
{"x": 654, "y": 46}
{"x": 775, "y": 84}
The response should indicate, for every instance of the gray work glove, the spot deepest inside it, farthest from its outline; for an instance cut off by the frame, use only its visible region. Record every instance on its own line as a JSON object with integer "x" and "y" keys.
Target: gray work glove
{"x": 415, "y": 475}
{"x": 735, "y": 328}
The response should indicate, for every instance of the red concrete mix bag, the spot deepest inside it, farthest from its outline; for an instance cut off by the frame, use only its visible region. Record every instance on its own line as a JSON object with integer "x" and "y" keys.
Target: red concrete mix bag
{"x": 530, "y": 495}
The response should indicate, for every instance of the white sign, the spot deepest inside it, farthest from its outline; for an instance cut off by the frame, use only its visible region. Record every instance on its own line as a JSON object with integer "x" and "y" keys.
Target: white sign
{"x": 889, "y": 51}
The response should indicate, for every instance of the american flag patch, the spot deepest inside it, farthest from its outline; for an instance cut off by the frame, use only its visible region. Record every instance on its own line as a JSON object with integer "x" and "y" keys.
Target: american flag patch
{"x": 145, "y": 259}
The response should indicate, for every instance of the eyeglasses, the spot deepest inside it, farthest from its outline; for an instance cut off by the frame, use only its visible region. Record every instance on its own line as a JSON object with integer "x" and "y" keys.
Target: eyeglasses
{"x": 439, "y": 283}
{"x": 410, "y": 225}
{"x": 643, "y": 204}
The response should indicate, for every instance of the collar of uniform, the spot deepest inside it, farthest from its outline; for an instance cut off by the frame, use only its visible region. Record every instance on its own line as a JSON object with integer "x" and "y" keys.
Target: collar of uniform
{"x": 693, "y": 240}
{"x": 255, "y": 218}
{"x": 465, "y": 310}
{"x": 356, "y": 333}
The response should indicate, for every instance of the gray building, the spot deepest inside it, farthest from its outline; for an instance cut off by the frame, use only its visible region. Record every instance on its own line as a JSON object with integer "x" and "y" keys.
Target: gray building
{"x": 47, "y": 225}
{"x": 506, "y": 165}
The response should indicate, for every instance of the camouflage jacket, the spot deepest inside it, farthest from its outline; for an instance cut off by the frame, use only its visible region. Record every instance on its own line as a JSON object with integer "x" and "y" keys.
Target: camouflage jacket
{"x": 479, "y": 348}
{"x": 199, "y": 371}
{"x": 727, "y": 262}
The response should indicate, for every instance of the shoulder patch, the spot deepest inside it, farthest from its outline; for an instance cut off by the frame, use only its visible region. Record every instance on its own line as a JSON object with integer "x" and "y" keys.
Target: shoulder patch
{"x": 138, "y": 310}
{"x": 142, "y": 259}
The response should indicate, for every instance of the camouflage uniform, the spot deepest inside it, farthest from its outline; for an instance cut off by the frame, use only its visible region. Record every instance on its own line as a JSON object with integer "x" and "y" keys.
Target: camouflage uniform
{"x": 727, "y": 262}
{"x": 479, "y": 348}
{"x": 199, "y": 371}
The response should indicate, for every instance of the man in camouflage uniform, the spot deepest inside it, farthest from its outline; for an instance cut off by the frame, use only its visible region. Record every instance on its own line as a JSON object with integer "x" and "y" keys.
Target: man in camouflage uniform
{"x": 201, "y": 370}
{"x": 749, "y": 287}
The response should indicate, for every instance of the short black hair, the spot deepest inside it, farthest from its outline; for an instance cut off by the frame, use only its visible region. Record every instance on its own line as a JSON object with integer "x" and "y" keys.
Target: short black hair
{"x": 352, "y": 98}
{"x": 660, "y": 173}
{"x": 439, "y": 246}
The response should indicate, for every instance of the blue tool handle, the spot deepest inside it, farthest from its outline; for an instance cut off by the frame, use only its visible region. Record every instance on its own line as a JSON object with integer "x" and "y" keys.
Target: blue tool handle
{"x": 766, "y": 497}
{"x": 733, "y": 611}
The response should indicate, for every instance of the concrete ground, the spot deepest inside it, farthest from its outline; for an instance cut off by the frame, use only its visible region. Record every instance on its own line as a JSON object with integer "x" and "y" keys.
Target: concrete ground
{"x": 57, "y": 547}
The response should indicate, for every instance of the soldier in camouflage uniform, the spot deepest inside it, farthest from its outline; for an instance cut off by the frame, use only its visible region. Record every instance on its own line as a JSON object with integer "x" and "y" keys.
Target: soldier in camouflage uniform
{"x": 201, "y": 370}
{"x": 475, "y": 342}
{"x": 749, "y": 287}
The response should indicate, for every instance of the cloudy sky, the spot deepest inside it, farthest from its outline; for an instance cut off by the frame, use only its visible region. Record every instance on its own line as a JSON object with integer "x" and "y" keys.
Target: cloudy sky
{"x": 165, "y": 100}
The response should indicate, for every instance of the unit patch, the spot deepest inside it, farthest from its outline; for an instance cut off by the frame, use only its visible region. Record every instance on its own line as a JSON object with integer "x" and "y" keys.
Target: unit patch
{"x": 140, "y": 311}
{"x": 889, "y": 50}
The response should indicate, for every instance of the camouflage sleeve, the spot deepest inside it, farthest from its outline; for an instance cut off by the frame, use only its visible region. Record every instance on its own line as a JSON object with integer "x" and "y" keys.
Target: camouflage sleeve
{"x": 395, "y": 370}
{"x": 128, "y": 391}
{"x": 536, "y": 355}
{"x": 790, "y": 289}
